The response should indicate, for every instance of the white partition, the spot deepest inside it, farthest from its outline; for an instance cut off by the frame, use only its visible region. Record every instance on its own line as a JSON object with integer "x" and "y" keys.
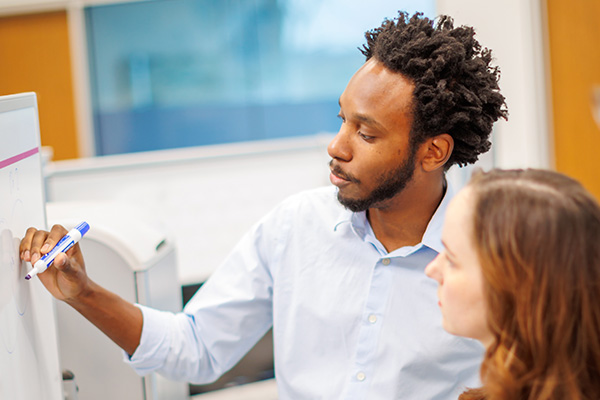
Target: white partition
{"x": 205, "y": 198}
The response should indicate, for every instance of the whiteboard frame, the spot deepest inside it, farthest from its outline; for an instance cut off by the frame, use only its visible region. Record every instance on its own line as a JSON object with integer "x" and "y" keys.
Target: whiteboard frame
{"x": 31, "y": 355}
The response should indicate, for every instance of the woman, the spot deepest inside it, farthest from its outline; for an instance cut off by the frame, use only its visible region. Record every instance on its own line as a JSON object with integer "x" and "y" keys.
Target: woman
{"x": 521, "y": 273}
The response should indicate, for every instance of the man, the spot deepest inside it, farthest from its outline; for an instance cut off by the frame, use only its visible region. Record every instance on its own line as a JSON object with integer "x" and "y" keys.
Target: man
{"x": 341, "y": 280}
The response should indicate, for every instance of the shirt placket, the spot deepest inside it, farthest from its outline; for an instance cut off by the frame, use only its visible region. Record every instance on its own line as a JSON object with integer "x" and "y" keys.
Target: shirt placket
{"x": 363, "y": 370}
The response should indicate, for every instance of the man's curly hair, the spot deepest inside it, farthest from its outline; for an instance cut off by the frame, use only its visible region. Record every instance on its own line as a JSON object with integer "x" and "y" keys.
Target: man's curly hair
{"x": 456, "y": 88}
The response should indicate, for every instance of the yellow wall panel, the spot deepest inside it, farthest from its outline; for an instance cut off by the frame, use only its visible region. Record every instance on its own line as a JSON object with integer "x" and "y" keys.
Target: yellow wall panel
{"x": 574, "y": 41}
{"x": 34, "y": 56}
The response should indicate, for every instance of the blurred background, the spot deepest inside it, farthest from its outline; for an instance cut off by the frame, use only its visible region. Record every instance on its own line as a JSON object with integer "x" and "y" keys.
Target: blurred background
{"x": 254, "y": 85}
{"x": 117, "y": 76}
{"x": 150, "y": 75}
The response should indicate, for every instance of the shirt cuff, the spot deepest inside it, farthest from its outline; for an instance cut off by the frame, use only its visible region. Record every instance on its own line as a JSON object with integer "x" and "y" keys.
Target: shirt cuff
{"x": 151, "y": 353}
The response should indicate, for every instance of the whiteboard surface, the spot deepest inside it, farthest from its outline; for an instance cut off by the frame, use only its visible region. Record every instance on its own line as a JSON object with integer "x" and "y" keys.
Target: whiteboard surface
{"x": 29, "y": 367}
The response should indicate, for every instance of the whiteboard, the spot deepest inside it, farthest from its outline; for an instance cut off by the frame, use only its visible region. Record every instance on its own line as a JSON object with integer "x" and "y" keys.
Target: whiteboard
{"x": 29, "y": 366}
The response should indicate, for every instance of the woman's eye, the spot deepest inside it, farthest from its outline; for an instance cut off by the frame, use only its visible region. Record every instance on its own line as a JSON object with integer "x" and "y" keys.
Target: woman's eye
{"x": 447, "y": 259}
{"x": 450, "y": 262}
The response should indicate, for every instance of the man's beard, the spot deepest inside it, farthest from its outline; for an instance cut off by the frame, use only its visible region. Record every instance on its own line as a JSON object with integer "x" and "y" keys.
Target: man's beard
{"x": 390, "y": 185}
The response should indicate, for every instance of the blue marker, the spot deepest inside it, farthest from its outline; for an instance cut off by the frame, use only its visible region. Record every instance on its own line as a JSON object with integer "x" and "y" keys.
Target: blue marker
{"x": 62, "y": 246}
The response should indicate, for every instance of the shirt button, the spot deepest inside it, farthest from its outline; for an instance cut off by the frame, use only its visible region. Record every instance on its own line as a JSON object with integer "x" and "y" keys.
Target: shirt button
{"x": 386, "y": 261}
{"x": 361, "y": 376}
{"x": 372, "y": 318}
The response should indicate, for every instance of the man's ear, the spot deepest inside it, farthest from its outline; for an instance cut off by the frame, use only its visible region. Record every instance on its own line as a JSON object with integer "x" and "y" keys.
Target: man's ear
{"x": 436, "y": 152}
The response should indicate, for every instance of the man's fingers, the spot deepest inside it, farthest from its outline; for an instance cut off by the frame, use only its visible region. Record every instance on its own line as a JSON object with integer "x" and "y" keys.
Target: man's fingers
{"x": 56, "y": 233}
{"x": 37, "y": 243}
{"x": 25, "y": 246}
{"x": 60, "y": 261}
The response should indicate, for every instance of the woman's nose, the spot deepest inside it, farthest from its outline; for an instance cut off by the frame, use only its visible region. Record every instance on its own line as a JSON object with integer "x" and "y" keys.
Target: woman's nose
{"x": 433, "y": 269}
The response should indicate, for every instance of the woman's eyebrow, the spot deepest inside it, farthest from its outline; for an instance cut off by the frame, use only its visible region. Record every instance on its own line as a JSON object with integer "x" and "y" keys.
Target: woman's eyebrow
{"x": 447, "y": 249}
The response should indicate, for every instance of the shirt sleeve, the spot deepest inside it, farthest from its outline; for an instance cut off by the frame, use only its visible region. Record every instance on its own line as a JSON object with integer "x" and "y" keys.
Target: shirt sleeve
{"x": 153, "y": 341}
{"x": 220, "y": 324}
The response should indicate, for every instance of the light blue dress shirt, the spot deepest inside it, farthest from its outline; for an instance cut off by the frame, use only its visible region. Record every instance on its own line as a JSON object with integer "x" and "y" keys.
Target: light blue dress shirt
{"x": 350, "y": 320}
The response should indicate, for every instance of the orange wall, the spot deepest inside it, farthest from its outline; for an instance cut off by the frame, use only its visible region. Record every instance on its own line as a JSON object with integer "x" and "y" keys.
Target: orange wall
{"x": 574, "y": 39}
{"x": 34, "y": 56}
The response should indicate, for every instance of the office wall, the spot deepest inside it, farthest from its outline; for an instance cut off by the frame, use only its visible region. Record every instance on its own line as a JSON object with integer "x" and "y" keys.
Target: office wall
{"x": 550, "y": 60}
{"x": 513, "y": 30}
{"x": 574, "y": 54}
{"x": 35, "y": 54}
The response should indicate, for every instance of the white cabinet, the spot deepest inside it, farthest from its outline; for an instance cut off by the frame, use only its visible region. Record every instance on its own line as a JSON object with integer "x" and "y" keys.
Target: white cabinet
{"x": 135, "y": 261}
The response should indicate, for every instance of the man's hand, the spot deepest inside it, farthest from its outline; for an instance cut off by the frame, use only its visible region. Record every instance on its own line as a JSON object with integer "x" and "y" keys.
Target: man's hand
{"x": 66, "y": 278}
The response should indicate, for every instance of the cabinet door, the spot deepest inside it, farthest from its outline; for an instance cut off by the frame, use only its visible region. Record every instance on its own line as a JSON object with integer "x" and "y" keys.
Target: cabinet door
{"x": 35, "y": 56}
{"x": 574, "y": 44}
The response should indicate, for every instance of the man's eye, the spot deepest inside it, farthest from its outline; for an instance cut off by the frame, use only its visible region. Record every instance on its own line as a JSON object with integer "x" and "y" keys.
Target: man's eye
{"x": 365, "y": 137}
{"x": 341, "y": 117}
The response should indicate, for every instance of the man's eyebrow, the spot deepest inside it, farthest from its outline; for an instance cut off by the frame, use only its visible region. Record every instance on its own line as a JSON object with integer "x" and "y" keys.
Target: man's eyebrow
{"x": 364, "y": 118}
{"x": 368, "y": 120}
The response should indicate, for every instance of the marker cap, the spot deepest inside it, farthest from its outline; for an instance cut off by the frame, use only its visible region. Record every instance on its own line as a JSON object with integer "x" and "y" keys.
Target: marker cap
{"x": 83, "y": 228}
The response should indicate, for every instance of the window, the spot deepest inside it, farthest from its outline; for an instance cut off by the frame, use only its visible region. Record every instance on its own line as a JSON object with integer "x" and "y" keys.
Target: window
{"x": 176, "y": 73}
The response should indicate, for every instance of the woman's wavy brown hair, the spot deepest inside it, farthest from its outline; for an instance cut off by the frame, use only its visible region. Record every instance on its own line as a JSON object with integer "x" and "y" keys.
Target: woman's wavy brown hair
{"x": 537, "y": 235}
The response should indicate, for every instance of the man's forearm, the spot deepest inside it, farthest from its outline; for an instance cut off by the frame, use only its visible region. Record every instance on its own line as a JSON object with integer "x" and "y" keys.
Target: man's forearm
{"x": 119, "y": 319}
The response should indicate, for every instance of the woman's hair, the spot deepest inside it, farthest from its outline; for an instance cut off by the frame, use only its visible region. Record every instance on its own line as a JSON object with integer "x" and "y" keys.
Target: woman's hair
{"x": 456, "y": 87}
{"x": 537, "y": 235}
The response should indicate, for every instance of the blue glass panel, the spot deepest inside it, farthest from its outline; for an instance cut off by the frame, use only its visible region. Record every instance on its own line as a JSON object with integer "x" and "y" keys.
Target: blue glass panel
{"x": 174, "y": 73}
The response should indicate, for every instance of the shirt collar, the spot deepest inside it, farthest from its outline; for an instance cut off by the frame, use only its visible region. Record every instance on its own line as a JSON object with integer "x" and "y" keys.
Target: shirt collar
{"x": 432, "y": 237}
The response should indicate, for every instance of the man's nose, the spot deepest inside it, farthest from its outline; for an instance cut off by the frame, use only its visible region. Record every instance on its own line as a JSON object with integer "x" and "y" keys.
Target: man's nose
{"x": 339, "y": 147}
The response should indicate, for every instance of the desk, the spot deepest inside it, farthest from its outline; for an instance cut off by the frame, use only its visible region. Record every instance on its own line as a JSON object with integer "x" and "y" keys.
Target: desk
{"x": 262, "y": 390}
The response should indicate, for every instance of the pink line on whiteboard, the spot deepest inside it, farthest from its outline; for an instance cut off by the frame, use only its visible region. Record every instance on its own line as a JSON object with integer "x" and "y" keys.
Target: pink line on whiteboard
{"x": 18, "y": 157}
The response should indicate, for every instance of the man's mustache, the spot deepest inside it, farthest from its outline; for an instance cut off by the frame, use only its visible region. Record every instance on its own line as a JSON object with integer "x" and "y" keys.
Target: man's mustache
{"x": 337, "y": 171}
